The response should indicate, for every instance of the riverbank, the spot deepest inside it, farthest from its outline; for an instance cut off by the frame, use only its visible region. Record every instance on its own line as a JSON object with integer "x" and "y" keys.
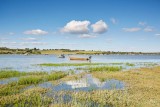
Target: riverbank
{"x": 5, "y": 50}
{"x": 141, "y": 90}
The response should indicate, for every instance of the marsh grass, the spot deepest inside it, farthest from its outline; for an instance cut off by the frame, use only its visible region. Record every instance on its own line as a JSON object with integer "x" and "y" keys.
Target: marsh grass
{"x": 142, "y": 86}
{"x": 40, "y": 78}
{"x": 12, "y": 94}
{"x": 130, "y": 64}
{"x": 104, "y": 68}
{"x": 70, "y": 64}
{"x": 56, "y": 76}
{"x": 29, "y": 98}
{"x": 10, "y": 89}
{"x": 30, "y": 80}
{"x": 142, "y": 90}
{"x": 109, "y": 98}
{"x": 13, "y": 73}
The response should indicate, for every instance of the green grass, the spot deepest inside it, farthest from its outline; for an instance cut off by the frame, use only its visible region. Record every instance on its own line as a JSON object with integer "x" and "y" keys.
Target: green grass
{"x": 13, "y": 73}
{"x": 130, "y": 64}
{"x": 30, "y": 80}
{"x": 142, "y": 89}
{"x": 10, "y": 73}
{"x": 40, "y": 78}
{"x": 104, "y": 68}
{"x": 70, "y": 64}
{"x": 29, "y": 98}
{"x": 10, "y": 89}
{"x": 55, "y": 76}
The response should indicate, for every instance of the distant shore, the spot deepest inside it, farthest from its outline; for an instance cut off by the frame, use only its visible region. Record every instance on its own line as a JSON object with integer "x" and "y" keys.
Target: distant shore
{"x": 4, "y": 50}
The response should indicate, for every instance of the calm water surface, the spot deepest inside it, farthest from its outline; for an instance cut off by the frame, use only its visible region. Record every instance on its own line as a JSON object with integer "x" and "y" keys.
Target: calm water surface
{"x": 28, "y": 63}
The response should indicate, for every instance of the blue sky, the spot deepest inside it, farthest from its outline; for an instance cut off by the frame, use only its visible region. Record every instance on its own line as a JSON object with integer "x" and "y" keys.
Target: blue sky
{"x": 110, "y": 25}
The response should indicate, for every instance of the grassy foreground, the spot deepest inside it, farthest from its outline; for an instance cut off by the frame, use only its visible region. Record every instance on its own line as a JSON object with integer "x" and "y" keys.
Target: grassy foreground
{"x": 143, "y": 87}
{"x": 142, "y": 90}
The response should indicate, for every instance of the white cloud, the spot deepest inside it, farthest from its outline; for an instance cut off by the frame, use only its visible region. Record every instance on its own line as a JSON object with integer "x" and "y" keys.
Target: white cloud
{"x": 142, "y": 23}
{"x": 135, "y": 29}
{"x": 36, "y": 32}
{"x": 99, "y": 27}
{"x": 113, "y": 20}
{"x": 149, "y": 29}
{"x": 87, "y": 36}
{"x": 76, "y": 27}
{"x": 158, "y": 34}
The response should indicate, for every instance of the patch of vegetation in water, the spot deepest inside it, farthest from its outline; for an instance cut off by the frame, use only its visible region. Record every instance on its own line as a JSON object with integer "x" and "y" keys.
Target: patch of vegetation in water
{"x": 130, "y": 64}
{"x": 13, "y": 73}
{"x": 69, "y": 64}
{"x": 41, "y": 78}
{"x": 104, "y": 68}
{"x": 10, "y": 73}
{"x": 116, "y": 63}
{"x": 30, "y": 80}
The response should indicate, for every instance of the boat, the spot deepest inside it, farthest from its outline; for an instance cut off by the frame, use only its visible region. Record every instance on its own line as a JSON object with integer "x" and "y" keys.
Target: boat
{"x": 77, "y": 58}
{"x": 61, "y": 56}
{"x": 26, "y": 54}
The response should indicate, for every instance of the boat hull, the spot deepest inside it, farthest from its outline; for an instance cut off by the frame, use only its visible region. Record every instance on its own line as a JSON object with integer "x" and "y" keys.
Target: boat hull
{"x": 74, "y": 58}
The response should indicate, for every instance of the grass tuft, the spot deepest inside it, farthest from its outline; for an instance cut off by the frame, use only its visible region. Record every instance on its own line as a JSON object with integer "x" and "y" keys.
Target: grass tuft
{"x": 41, "y": 78}
{"x": 130, "y": 64}
{"x": 104, "y": 68}
{"x": 13, "y": 73}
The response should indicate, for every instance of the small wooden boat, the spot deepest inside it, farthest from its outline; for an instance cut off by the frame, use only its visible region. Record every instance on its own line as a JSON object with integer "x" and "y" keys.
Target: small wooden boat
{"x": 26, "y": 54}
{"x": 61, "y": 56}
{"x": 76, "y": 58}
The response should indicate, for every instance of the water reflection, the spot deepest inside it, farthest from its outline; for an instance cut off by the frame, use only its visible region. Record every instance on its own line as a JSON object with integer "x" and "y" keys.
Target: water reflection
{"x": 86, "y": 83}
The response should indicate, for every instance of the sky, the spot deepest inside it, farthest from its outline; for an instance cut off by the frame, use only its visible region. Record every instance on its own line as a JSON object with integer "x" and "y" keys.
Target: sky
{"x": 106, "y": 25}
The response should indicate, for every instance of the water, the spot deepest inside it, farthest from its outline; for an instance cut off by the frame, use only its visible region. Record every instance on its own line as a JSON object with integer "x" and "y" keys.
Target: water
{"x": 87, "y": 83}
{"x": 8, "y": 80}
{"x": 28, "y": 63}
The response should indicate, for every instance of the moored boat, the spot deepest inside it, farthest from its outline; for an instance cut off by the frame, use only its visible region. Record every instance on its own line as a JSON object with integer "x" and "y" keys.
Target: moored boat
{"x": 61, "y": 56}
{"x": 78, "y": 58}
